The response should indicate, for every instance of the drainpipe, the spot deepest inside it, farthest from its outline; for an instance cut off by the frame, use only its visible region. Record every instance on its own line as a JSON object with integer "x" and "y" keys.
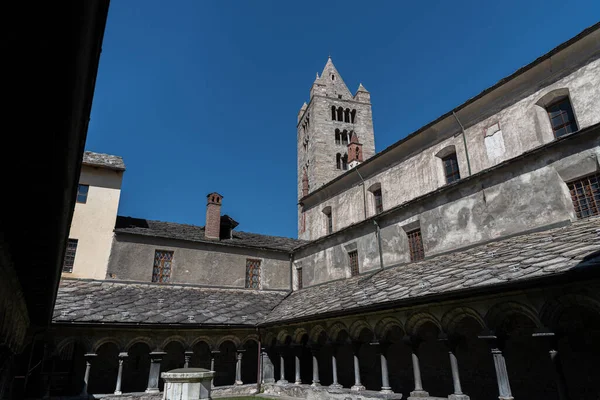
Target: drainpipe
{"x": 291, "y": 273}
{"x": 259, "y": 371}
{"x": 378, "y": 234}
{"x": 364, "y": 192}
{"x": 462, "y": 128}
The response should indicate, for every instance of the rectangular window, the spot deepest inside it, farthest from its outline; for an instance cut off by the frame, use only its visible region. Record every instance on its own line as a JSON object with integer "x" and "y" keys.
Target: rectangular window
{"x": 163, "y": 260}
{"x": 585, "y": 194}
{"x": 82, "y": 193}
{"x": 299, "y": 277}
{"x": 451, "y": 168}
{"x": 328, "y": 220}
{"x": 70, "y": 255}
{"x": 562, "y": 118}
{"x": 353, "y": 256}
{"x": 415, "y": 245}
{"x": 378, "y": 201}
{"x": 252, "y": 274}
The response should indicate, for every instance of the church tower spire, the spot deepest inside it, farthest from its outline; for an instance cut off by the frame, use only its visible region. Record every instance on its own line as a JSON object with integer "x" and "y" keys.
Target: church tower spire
{"x": 326, "y": 125}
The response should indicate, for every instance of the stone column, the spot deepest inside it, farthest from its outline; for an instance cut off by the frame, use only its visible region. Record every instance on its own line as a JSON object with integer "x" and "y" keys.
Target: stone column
{"x": 335, "y": 384}
{"x": 549, "y": 339}
{"x": 451, "y": 344}
{"x": 187, "y": 356}
{"x": 414, "y": 342}
{"x": 357, "y": 384}
{"x": 213, "y": 354}
{"x": 282, "y": 379}
{"x": 238, "y": 367}
{"x": 381, "y": 349}
{"x": 314, "y": 349}
{"x": 122, "y": 357}
{"x": 297, "y": 353}
{"x": 154, "y": 375}
{"x": 496, "y": 344}
{"x": 268, "y": 370}
{"x": 88, "y": 366}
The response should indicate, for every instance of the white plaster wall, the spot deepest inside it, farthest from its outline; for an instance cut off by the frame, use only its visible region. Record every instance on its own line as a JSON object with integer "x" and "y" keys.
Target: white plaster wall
{"x": 94, "y": 221}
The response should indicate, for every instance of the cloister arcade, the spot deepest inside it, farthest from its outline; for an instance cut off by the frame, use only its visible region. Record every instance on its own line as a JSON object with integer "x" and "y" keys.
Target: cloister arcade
{"x": 507, "y": 346}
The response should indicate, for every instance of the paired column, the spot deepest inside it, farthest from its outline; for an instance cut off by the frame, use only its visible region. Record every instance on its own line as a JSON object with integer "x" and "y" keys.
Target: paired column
{"x": 213, "y": 354}
{"x": 549, "y": 339}
{"x": 314, "y": 349}
{"x": 297, "y": 352}
{"x": 187, "y": 357}
{"x": 122, "y": 357}
{"x": 496, "y": 344}
{"x": 155, "y": 360}
{"x": 451, "y": 344}
{"x": 238, "y": 367}
{"x": 381, "y": 350}
{"x": 334, "y": 352}
{"x": 268, "y": 370}
{"x": 282, "y": 379}
{"x": 413, "y": 342}
{"x": 357, "y": 384}
{"x": 88, "y": 366}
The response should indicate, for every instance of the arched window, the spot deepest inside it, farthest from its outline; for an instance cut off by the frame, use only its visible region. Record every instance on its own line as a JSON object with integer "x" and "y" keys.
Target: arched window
{"x": 345, "y": 137}
{"x": 347, "y": 115}
{"x": 337, "y": 136}
{"x": 449, "y": 163}
{"x": 557, "y": 105}
{"x": 357, "y": 153}
{"x": 340, "y": 114}
{"x": 345, "y": 162}
{"x": 333, "y": 113}
{"x": 352, "y": 116}
{"x": 338, "y": 161}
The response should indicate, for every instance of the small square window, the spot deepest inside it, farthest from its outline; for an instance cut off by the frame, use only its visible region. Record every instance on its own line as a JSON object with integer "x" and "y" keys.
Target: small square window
{"x": 69, "y": 260}
{"x": 163, "y": 260}
{"x": 415, "y": 245}
{"x": 82, "y": 193}
{"x": 252, "y": 274}
{"x": 585, "y": 194}
{"x": 353, "y": 257}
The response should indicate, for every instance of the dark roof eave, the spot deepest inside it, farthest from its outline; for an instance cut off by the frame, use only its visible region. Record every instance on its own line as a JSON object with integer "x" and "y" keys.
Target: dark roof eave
{"x": 153, "y": 325}
{"x": 461, "y": 182}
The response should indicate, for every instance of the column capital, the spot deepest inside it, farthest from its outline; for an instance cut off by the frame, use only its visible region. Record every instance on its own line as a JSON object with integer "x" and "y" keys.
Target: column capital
{"x": 90, "y": 356}
{"x": 412, "y": 341}
{"x": 213, "y": 352}
{"x": 493, "y": 339}
{"x": 188, "y": 353}
{"x": 123, "y": 354}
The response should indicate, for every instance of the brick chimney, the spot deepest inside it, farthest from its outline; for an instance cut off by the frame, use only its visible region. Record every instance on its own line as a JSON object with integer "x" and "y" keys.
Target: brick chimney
{"x": 212, "y": 228}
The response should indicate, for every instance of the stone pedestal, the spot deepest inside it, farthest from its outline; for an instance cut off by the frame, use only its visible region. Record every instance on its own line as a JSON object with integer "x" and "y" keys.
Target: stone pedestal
{"x": 187, "y": 384}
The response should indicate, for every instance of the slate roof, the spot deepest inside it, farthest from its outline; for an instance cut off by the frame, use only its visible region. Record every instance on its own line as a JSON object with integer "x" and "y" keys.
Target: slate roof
{"x": 518, "y": 258}
{"x": 193, "y": 233}
{"x": 85, "y": 301}
{"x": 103, "y": 160}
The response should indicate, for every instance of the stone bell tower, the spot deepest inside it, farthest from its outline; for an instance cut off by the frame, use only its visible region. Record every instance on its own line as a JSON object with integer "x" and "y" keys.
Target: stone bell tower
{"x": 325, "y": 127}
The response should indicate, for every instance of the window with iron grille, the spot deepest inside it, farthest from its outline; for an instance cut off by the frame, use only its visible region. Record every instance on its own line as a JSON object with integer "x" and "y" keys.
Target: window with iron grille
{"x": 353, "y": 256}
{"x": 415, "y": 245}
{"x": 82, "y": 193}
{"x": 451, "y": 168}
{"x": 562, "y": 118}
{"x": 163, "y": 261}
{"x": 70, "y": 255}
{"x": 378, "y": 201}
{"x": 299, "y": 277}
{"x": 252, "y": 274}
{"x": 585, "y": 194}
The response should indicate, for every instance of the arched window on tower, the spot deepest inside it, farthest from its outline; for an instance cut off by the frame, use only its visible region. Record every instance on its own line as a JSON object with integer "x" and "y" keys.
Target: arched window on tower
{"x": 340, "y": 114}
{"x": 356, "y": 153}
{"x": 337, "y": 136}
{"x": 345, "y": 137}
{"x": 338, "y": 161}
{"x": 333, "y": 112}
{"x": 352, "y": 116}
{"x": 345, "y": 162}
{"x": 347, "y": 115}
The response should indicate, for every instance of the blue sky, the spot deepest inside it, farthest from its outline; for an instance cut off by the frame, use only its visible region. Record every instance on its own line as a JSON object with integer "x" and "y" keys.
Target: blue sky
{"x": 200, "y": 96}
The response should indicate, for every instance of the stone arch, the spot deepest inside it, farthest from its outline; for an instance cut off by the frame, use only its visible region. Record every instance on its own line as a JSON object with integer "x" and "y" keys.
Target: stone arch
{"x": 357, "y": 327}
{"x": 384, "y": 325}
{"x": 141, "y": 339}
{"x": 174, "y": 338}
{"x": 205, "y": 339}
{"x": 499, "y": 312}
{"x": 416, "y": 320}
{"x": 453, "y": 317}
{"x": 282, "y": 337}
{"x": 85, "y": 342}
{"x": 334, "y": 330}
{"x": 552, "y": 96}
{"x": 315, "y": 331}
{"x": 109, "y": 339}
{"x": 269, "y": 338}
{"x": 298, "y": 335}
{"x": 554, "y": 308}
{"x": 229, "y": 338}
{"x": 251, "y": 337}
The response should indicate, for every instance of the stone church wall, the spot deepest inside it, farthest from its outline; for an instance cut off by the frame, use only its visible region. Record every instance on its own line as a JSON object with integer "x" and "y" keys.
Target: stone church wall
{"x": 132, "y": 258}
